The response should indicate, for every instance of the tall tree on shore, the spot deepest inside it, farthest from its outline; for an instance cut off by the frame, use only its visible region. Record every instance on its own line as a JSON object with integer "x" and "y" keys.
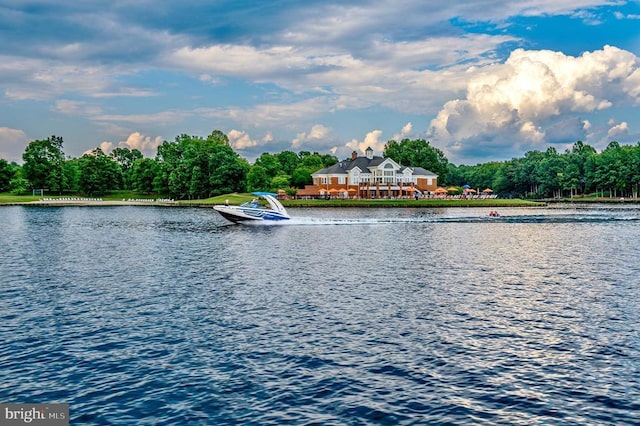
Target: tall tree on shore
{"x": 43, "y": 164}
{"x": 7, "y": 172}
{"x": 125, "y": 158}
{"x": 98, "y": 173}
{"x": 194, "y": 167}
{"x": 143, "y": 175}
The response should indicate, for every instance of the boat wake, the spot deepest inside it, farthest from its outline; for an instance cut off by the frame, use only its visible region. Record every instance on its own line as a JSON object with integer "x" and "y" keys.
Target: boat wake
{"x": 514, "y": 219}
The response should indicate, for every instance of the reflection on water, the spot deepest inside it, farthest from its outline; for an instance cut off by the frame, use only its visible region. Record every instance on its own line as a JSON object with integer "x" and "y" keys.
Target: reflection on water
{"x": 376, "y": 316}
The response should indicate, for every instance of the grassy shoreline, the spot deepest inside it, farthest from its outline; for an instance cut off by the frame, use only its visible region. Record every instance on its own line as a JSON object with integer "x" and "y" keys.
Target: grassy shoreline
{"x": 124, "y": 198}
{"x": 127, "y": 199}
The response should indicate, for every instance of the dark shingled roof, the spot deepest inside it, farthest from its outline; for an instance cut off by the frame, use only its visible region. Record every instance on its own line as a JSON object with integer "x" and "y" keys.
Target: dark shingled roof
{"x": 363, "y": 163}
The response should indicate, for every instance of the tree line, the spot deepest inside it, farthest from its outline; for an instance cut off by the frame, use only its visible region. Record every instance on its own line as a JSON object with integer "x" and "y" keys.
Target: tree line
{"x": 190, "y": 167}
{"x": 193, "y": 167}
{"x": 580, "y": 170}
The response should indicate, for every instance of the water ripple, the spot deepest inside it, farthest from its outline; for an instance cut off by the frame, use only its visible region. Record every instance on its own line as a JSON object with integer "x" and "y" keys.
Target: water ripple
{"x": 170, "y": 316}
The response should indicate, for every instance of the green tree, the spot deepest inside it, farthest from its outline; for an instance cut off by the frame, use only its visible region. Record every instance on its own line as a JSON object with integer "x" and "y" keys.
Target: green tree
{"x": 549, "y": 172}
{"x": 229, "y": 170}
{"x": 308, "y": 164}
{"x": 8, "y": 172}
{"x": 327, "y": 159}
{"x": 71, "y": 169}
{"x": 194, "y": 167}
{"x": 125, "y": 158}
{"x": 315, "y": 161}
{"x": 611, "y": 170}
{"x": 257, "y": 179}
{"x": 279, "y": 182}
{"x": 98, "y": 173}
{"x": 43, "y": 164}
{"x": 18, "y": 185}
{"x": 576, "y": 179}
{"x": 143, "y": 174}
{"x": 270, "y": 164}
{"x": 301, "y": 176}
{"x": 288, "y": 160}
{"x": 292, "y": 191}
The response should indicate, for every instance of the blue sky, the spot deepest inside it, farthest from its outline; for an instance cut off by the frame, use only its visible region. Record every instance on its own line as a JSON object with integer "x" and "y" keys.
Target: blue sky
{"x": 481, "y": 80}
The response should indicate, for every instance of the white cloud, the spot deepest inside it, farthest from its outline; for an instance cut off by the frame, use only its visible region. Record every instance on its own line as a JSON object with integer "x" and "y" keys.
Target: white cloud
{"x": 159, "y": 118}
{"x": 240, "y": 140}
{"x": 618, "y": 131}
{"x": 77, "y": 108}
{"x": 620, "y": 16}
{"x": 317, "y": 133}
{"x": 146, "y": 144}
{"x": 267, "y": 115}
{"x": 404, "y": 132}
{"x": 390, "y": 73}
{"x": 106, "y": 147}
{"x": 238, "y": 60}
{"x": 371, "y": 140}
{"x": 268, "y": 137}
{"x": 407, "y": 59}
{"x": 38, "y": 79}
{"x": 520, "y": 101}
{"x": 12, "y": 144}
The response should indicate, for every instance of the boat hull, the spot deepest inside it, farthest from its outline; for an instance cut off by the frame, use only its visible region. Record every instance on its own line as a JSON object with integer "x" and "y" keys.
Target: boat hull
{"x": 238, "y": 214}
{"x": 254, "y": 211}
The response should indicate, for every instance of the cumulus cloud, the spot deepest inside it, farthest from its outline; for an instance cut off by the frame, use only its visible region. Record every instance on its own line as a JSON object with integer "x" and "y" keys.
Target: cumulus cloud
{"x": 371, "y": 140}
{"x": 317, "y": 133}
{"x": 268, "y": 137}
{"x": 240, "y": 140}
{"x": 618, "y": 131}
{"x": 520, "y": 101}
{"x": 405, "y": 132}
{"x": 146, "y": 144}
{"x": 106, "y": 147}
{"x": 329, "y": 57}
{"x": 12, "y": 144}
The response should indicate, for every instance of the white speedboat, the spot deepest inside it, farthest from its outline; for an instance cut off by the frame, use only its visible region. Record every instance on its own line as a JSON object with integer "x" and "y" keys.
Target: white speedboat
{"x": 252, "y": 210}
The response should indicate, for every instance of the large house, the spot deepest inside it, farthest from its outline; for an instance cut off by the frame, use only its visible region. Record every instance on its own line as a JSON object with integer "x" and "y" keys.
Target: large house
{"x": 370, "y": 177}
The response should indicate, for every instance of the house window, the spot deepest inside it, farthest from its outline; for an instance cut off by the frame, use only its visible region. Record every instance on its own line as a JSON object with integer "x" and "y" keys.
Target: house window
{"x": 341, "y": 179}
{"x": 388, "y": 176}
{"x": 324, "y": 180}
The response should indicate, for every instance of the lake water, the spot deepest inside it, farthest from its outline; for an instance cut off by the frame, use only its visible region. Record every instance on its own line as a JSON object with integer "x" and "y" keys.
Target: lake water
{"x": 166, "y": 316}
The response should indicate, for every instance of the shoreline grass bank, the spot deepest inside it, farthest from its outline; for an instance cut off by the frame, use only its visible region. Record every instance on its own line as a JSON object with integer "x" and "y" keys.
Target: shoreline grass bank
{"x": 124, "y": 198}
{"x": 120, "y": 199}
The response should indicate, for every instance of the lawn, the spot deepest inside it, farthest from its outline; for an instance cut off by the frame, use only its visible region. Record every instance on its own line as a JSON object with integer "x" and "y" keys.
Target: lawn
{"x": 238, "y": 198}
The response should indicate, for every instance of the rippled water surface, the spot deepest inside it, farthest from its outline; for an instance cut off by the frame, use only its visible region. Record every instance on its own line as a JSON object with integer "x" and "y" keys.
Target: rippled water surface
{"x": 143, "y": 315}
